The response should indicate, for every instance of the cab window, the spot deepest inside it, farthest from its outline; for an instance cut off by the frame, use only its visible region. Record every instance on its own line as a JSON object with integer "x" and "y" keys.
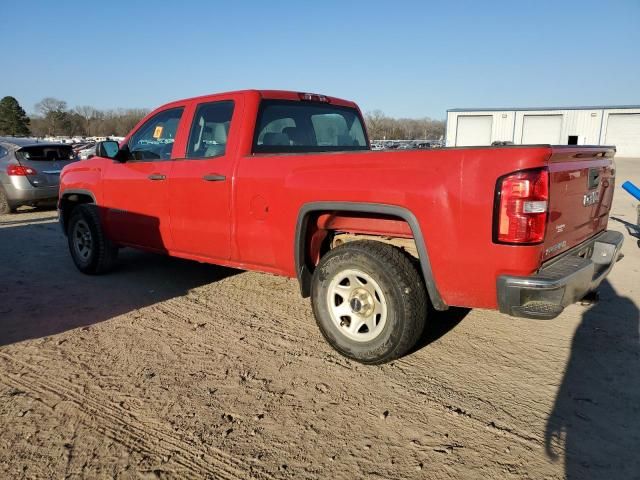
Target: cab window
{"x": 154, "y": 139}
{"x": 210, "y": 130}
{"x": 299, "y": 127}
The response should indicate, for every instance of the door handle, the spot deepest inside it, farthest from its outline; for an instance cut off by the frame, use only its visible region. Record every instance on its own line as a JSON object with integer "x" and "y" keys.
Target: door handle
{"x": 157, "y": 176}
{"x": 214, "y": 177}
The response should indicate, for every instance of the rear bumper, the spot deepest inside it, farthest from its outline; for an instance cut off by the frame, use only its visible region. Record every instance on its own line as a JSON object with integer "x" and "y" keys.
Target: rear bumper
{"x": 562, "y": 281}
{"x": 20, "y": 192}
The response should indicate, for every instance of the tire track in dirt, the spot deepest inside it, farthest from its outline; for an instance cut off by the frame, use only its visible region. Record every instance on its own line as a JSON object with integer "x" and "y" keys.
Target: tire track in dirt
{"x": 477, "y": 410}
{"x": 123, "y": 428}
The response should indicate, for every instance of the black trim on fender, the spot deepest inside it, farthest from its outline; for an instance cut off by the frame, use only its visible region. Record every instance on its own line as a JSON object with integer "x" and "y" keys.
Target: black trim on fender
{"x": 67, "y": 193}
{"x": 302, "y": 271}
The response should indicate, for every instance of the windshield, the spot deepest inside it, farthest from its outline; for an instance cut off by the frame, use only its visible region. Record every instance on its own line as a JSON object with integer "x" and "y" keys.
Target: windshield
{"x": 298, "y": 127}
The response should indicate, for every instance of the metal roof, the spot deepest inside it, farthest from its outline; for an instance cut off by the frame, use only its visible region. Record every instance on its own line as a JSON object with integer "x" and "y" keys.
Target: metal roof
{"x": 539, "y": 109}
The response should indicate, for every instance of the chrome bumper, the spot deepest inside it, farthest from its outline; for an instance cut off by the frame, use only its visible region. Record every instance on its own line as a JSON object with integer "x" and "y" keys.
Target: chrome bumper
{"x": 562, "y": 281}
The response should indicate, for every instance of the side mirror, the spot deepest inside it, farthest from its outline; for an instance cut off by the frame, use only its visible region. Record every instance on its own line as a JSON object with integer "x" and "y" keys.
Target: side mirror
{"x": 108, "y": 149}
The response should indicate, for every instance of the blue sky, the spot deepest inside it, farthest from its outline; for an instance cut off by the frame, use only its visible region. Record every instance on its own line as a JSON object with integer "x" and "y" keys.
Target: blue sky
{"x": 406, "y": 58}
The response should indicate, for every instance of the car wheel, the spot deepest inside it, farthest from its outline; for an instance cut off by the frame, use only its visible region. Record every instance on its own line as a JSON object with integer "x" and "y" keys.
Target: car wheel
{"x": 369, "y": 301}
{"x": 92, "y": 252}
{"x": 5, "y": 206}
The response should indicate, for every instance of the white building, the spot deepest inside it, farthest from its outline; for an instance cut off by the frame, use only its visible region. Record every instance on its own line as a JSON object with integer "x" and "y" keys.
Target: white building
{"x": 619, "y": 126}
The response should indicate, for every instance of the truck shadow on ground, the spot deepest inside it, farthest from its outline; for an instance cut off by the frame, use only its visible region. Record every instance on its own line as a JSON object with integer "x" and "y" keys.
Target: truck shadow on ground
{"x": 596, "y": 415}
{"x": 439, "y": 324}
{"x": 42, "y": 293}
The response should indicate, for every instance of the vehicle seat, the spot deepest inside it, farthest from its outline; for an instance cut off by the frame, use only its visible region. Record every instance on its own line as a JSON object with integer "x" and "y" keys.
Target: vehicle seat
{"x": 346, "y": 141}
{"x": 219, "y": 135}
{"x": 200, "y": 146}
{"x": 296, "y": 136}
{"x": 272, "y": 138}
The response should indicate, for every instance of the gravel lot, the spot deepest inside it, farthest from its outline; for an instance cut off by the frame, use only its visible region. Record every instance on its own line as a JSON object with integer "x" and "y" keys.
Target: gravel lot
{"x": 167, "y": 368}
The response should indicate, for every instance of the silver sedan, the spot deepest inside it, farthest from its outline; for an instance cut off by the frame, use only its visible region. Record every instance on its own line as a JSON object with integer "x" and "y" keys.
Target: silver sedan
{"x": 30, "y": 171}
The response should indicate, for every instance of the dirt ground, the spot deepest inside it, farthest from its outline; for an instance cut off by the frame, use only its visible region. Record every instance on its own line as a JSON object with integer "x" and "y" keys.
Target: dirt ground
{"x": 173, "y": 369}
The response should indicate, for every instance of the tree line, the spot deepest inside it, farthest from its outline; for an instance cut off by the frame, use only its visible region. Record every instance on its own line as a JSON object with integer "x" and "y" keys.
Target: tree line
{"x": 382, "y": 127}
{"x": 53, "y": 117}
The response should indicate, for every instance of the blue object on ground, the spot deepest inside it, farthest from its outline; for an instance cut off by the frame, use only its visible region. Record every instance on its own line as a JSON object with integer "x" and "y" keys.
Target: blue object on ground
{"x": 632, "y": 189}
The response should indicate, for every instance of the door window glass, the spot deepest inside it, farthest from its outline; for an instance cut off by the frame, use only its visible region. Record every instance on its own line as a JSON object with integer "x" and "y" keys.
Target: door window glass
{"x": 210, "y": 130}
{"x": 154, "y": 139}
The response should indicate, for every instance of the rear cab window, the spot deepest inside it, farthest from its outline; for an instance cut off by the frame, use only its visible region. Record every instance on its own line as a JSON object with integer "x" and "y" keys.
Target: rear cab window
{"x": 286, "y": 126}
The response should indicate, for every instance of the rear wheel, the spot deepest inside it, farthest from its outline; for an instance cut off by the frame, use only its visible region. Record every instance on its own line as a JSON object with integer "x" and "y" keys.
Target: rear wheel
{"x": 369, "y": 301}
{"x": 5, "y": 206}
{"x": 91, "y": 250}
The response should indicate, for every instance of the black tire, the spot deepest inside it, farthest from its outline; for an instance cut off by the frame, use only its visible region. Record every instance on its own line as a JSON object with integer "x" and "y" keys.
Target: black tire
{"x": 92, "y": 252}
{"x": 400, "y": 287}
{"x": 5, "y": 206}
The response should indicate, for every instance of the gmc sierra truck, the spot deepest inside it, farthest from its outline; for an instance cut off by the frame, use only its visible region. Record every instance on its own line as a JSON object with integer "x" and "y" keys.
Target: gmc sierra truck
{"x": 286, "y": 183}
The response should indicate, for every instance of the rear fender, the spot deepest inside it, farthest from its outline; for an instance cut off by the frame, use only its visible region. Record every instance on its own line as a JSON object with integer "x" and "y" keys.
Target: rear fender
{"x": 398, "y": 228}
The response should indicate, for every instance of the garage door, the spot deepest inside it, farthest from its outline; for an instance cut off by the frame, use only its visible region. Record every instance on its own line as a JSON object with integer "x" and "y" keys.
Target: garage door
{"x": 623, "y": 131}
{"x": 474, "y": 130}
{"x": 538, "y": 129}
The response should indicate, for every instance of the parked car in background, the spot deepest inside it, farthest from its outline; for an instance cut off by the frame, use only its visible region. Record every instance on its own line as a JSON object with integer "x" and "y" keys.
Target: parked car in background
{"x": 30, "y": 171}
{"x": 81, "y": 146}
{"x": 87, "y": 152}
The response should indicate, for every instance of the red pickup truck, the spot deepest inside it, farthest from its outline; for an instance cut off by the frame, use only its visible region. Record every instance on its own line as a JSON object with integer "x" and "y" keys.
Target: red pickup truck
{"x": 286, "y": 183}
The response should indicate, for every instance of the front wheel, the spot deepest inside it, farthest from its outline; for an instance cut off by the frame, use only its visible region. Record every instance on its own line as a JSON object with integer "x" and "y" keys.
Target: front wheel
{"x": 369, "y": 301}
{"x": 91, "y": 250}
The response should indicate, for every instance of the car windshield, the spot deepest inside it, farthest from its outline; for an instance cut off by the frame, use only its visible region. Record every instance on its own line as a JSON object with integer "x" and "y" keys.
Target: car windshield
{"x": 45, "y": 153}
{"x": 298, "y": 127}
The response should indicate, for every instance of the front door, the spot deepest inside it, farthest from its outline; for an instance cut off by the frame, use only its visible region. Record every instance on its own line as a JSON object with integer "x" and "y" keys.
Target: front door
{"x": 136, "y": 191}
{"x": 200, "y": 184}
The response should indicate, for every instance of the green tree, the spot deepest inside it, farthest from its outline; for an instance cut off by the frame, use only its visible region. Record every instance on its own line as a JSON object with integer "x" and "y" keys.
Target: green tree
{"x": 54, "y": 112}
{"x": 13, "y": 119}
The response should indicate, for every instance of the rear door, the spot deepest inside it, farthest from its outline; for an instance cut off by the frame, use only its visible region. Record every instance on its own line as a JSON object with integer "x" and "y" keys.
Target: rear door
{"x": 46, "y": 162}
{"x": 136, "y": 190}
{"x": 200, "y": 183}
{"x": 581, "y": 185}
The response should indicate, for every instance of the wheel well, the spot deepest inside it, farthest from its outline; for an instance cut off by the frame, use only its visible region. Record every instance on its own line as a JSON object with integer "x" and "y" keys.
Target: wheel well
{"x": 321, "y": 223}
{"x": 327, "y": 230}
{"x": 68, "y": 202}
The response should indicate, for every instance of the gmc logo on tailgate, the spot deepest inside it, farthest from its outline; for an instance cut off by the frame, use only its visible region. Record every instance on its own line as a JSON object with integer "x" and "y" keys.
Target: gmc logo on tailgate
{"x": 590, "y": 198}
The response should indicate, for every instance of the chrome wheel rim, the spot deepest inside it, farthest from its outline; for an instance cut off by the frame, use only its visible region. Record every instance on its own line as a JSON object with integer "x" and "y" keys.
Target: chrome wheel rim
{"x": 82, "y": 240}
{"x": 357, "y": 305}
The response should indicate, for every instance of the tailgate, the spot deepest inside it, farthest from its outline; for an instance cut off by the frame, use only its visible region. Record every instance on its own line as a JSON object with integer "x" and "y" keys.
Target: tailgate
{"x": 581, "y": 182}
{"x": 46, "y": 161}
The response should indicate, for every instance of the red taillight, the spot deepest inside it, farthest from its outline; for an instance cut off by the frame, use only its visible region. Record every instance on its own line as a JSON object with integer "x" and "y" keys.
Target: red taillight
{"x": 522, "y": 203}
{"x": 20, "y": 171}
